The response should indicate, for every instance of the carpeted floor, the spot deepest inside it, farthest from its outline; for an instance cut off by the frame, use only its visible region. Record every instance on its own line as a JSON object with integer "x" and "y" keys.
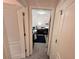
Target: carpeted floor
{"x": 39, "y": 52}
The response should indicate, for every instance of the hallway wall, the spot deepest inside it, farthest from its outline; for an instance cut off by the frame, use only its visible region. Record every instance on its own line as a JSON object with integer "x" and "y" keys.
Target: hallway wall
{"x": 63, "y": 38}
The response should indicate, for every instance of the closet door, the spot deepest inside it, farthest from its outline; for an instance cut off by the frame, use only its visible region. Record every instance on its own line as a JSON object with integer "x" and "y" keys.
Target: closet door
{"x": 67, "y": 41}
{"x": 16, "y": 47}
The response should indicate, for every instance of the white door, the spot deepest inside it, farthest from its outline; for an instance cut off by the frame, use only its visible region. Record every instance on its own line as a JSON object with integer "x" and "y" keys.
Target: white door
{"x": 21, "y": 31}
{"x": 14, "y": 32}
{"x": 24, "y": 22}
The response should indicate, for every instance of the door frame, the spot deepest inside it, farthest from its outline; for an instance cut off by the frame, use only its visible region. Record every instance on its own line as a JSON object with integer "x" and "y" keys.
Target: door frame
{"x": 52, "y": 14}
{"x": 30, "y": 30}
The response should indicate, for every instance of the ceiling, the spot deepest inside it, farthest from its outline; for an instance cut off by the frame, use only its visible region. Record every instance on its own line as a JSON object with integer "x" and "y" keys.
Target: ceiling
{"x": 42, "y": 3}
{"x": 48, "y": 4}
{"x": 34, "y": 3}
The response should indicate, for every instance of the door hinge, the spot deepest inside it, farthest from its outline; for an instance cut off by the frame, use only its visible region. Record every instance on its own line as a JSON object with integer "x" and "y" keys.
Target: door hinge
{"x": 23, "y": 14}
{"x": 24, "y": 34}
{"x": 25, "y": 50}
{"x": 56, "y": 41}
{"x": 61, "y": 12}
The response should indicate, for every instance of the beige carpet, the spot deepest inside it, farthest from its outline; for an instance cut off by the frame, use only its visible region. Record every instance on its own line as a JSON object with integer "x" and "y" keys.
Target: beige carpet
{"x": 39, "y": 52}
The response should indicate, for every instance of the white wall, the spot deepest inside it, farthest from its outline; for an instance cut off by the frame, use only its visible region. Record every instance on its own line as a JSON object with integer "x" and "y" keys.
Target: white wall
{"x": 63, "y": 41}
{"x": 40, "y": 18}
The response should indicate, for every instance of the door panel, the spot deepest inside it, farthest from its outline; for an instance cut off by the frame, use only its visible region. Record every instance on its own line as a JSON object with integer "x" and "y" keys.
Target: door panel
{"x": 11, "y": 26}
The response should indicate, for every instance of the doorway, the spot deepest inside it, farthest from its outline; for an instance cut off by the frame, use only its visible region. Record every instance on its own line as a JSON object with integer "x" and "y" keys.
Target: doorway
{"x": 40, "y": 30}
